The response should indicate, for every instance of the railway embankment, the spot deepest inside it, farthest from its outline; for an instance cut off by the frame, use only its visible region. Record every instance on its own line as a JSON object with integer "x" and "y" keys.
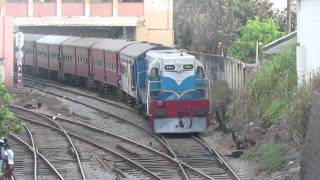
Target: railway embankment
{"x": 269, "y": 118}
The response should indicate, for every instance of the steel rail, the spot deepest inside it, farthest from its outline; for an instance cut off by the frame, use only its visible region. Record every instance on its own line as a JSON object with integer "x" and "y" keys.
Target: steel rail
{"x": 136, "y": 143}
{"x": 34, "y": 152}
{"x": 39, "y": 154}
{"x": 116, "y": 116}
{"x": 100, "y": 110}
{"x": 220, "y": 158}
{"x": 64, "y": 132}
{"x": 126, "y": 139}
{"x": 176, "y": 157}
{"x": 95, "y": 144}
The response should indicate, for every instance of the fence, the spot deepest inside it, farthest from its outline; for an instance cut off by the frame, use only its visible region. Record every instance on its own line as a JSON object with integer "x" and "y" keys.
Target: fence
{"x": 219, "y": 68}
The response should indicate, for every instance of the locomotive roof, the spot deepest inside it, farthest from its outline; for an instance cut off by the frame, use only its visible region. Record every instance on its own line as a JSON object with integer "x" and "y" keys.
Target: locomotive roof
{"x": 52, "y": 39}
{"x": 168, "y": 53}
{"x": 32, "y": 37}
{"x": 112, "y": 45}
{"x": 82, "y": 42}
{"x": 137, "y": 49}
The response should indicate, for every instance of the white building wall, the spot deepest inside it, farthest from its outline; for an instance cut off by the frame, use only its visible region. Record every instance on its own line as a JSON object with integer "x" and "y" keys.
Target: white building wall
{"x": 308, "y": 50}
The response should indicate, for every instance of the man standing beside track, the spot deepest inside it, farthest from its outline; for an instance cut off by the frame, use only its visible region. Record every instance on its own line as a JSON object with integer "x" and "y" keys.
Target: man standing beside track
{"x": 6, "y": 160}
{"x": 9, "y": 161}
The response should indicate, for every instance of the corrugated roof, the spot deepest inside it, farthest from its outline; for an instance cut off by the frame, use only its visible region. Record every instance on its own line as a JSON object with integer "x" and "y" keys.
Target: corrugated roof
{"x": 281, "y": 45}
{"x": 32, "y": 37}
{"x": 52, "y": 39}
{"x": 82, "y": 42}
{"x": 112, "y": 45}
{"x": 137, "y": 49}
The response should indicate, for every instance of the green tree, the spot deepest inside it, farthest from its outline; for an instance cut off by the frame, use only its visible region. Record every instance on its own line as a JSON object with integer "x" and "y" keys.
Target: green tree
{"x": 8, "y": 122}
{"x": 263, "y": 31}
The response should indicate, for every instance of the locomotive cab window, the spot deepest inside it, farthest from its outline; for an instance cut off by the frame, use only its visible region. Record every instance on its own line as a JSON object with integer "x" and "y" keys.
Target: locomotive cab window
{"x": 154, "y": 75}
{"x": 199, "y": 72}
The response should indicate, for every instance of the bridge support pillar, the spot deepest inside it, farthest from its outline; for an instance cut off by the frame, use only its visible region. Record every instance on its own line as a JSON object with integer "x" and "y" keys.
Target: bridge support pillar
{"x": 59, "y": 8}
{"x": 6, "y": 50}
{"x": 87, "y": 8}
{"x": 30, "y": 8}
{"x": 115, "y": 8}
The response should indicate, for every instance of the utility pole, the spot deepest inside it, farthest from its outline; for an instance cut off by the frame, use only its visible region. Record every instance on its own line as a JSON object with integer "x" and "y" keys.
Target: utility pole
{"x": 19, "y": 57}
{"x": 289, "y": 18}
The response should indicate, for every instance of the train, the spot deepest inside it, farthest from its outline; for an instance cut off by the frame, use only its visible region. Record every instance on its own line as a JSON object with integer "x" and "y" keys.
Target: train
{"x": 169, "y": 86}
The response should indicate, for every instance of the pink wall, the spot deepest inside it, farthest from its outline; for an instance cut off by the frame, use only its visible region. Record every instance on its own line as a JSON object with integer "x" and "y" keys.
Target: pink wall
{"x": 16, "y": 9}
{"x": 73, "y": 9}
{"x": 6, "y": 50}
{"x": 131, "y": 9}
{"x": 101, "y": 9}
{"x": 44, "y": 9}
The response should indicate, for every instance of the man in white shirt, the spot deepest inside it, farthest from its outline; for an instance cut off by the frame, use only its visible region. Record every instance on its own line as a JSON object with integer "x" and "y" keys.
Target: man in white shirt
{"x": 9, "y": 161}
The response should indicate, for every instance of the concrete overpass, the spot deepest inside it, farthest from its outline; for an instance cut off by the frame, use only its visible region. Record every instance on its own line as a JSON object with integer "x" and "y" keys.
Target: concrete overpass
{"x": 152, "y": 20}
{"x": 141, "y": 20}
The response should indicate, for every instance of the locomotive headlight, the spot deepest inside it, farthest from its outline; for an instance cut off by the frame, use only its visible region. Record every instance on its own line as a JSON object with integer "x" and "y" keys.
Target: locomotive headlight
{"x": 160, "y": 103}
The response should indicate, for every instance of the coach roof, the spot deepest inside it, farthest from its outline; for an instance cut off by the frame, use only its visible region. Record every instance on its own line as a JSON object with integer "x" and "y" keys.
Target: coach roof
{"x": 82, "y": 42}
{"x": 32, "y": 37}
{"x": 137, "y": 49}
{"x": 112, "y": 45}
{"x": 52, "y": 39}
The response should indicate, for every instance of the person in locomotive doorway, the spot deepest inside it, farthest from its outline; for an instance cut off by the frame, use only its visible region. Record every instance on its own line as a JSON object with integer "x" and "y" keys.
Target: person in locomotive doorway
{"x": 155, "y": 74}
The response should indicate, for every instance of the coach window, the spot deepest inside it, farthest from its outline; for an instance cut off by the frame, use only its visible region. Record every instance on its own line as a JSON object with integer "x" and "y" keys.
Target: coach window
{"x": 199, "y": 72}
{"x": 155, "y": 74}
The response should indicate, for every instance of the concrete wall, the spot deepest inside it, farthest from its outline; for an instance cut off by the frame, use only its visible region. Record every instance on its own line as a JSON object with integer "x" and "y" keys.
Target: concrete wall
{"x": 6, "y": 48}
{"x": 218, "y": 68}
{"x": 308, "y": 50}
{"x": 310, "y": 157}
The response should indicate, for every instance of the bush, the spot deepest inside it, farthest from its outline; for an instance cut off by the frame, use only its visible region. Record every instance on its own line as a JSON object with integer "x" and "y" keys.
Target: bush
{"x": 269, "y": 156}
{"x": 8, "y": 122}
{"x": 269, "y": 91}
{"x": 264, "y": 31}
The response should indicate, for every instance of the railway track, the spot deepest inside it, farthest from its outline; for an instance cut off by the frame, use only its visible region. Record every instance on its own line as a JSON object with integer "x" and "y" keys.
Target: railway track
{"x": 58, "y": 147}
{"x": 156, "y": 163}
{"x": 29, "y": 162}
{"x": 195, "y": 152}
{"x": 190, "y": 168}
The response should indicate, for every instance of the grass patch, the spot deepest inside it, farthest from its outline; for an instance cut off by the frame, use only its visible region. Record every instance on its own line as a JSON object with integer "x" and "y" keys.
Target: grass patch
{"x": 275, "y": 109}
{"x": 269, "y": 156}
